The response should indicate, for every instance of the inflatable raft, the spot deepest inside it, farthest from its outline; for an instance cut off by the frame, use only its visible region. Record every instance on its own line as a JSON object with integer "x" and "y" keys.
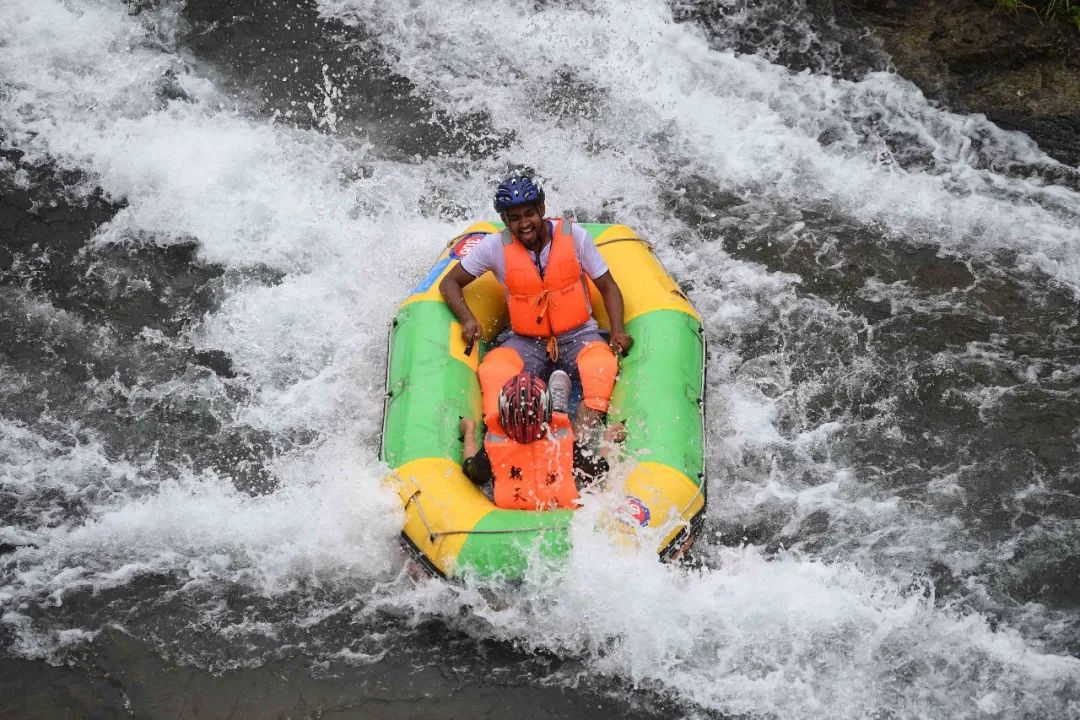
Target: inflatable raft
{"x": 452, "y": 527}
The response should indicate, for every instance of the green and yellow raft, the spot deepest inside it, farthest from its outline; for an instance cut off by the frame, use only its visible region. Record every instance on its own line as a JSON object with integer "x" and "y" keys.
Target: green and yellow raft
{"x": 452, "y": 528}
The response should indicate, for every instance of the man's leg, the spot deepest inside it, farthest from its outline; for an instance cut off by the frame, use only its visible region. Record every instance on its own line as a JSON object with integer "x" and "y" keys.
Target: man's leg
{"x": 589, "y": 361}
{"x": 597, "y": 367}
{"x": 513, "y": 355}
{"x": 498, "y": 366}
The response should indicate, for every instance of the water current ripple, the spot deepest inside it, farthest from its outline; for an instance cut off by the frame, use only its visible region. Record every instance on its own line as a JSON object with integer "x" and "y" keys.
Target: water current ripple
{"x": 210, "y": 210}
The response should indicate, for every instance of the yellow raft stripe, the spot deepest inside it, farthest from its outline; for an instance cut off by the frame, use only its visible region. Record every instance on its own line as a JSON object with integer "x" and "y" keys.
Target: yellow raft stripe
{"x": 671, "y": 497}
{"x": 457, "y": 348}
{"x": 635, "y": 267}
{"x": 438, "y": 498}
{"x": 485, "y": 296}
{"x": 616, "y": 232}
{"x": 432, "y": 293}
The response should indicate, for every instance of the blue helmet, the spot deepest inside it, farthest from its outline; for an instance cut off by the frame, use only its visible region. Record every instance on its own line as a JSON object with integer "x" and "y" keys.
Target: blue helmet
{"x": 517, "y": 190}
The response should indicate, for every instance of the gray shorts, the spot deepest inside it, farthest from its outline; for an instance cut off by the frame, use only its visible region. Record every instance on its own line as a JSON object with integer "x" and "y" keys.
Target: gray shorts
{"x": 534, "y": 354}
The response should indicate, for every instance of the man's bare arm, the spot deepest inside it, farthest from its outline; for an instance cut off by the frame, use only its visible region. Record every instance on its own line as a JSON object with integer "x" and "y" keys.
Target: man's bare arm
{"x": 450, "y": 287}
{"x": 613, "y": 303}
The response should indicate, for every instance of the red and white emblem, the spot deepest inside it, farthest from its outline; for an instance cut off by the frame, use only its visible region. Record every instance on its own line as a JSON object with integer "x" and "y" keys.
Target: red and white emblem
{"x": 634, "y": 512}
{"x": 465, "y": 245}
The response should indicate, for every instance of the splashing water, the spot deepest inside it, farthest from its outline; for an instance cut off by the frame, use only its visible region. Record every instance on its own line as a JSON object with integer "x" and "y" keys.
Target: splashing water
{"x": 193, "y": 400}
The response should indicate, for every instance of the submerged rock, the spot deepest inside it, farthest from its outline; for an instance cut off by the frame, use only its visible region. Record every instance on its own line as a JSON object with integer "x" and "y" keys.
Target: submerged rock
{"x": 1021, "y": 71}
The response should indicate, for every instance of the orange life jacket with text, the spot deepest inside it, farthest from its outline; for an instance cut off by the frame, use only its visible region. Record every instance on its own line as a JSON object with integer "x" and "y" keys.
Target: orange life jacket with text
{"x": 537, "y": 475}
{"x": 555, "y": 303}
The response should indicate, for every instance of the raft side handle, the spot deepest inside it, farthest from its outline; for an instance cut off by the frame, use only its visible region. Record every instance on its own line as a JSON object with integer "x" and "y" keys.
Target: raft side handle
{"x": 700, "y": 491}
{"x": 386, "y": 386}
{"x": 504, "y": 531}
{"x": 433, "y": 535}
{"x": 420, "y": 511}
{"x": 611, "y": 241}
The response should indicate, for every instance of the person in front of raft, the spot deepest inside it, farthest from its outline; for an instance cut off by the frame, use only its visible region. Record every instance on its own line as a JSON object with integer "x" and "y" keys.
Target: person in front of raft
{"x": 529, "y": 453}
{"x": 542, "y": 264}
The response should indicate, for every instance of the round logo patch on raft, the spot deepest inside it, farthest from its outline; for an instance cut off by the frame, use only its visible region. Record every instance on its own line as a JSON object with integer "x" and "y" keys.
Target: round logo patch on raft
{"x": 465, "y": 245}
{"x": 634, "y": 512}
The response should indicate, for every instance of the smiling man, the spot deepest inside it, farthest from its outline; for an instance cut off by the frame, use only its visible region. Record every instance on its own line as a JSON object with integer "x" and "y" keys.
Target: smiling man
{"x": 542, "y": 263}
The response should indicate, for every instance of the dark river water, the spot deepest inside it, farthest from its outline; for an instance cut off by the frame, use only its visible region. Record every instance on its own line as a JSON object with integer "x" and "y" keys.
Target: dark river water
{"x": 210, "y": 209}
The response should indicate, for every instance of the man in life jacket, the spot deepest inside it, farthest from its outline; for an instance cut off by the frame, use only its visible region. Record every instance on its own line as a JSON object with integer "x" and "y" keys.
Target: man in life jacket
{"x": 529, "y": 452}
{"x": 543, "y": 264}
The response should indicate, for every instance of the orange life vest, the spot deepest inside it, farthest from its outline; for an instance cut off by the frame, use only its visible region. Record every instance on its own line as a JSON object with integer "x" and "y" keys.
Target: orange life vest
{"x": 549, "y": 305}
{"x": 537, "y": 475}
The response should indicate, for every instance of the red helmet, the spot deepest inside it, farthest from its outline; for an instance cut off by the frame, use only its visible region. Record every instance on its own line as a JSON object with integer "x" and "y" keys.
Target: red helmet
{"x": 524, "y": 407}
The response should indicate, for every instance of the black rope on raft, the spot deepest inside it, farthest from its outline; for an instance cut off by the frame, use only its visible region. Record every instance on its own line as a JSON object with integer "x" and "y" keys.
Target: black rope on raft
{"x": 432, "y": 535}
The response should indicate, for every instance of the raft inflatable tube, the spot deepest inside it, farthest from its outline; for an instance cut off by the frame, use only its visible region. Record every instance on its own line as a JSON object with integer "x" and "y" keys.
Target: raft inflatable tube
{"x": 452, "y": 528}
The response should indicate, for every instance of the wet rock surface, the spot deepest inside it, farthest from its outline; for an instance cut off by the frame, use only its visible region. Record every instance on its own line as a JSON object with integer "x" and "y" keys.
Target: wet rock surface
{"x": 1021, "y": 71}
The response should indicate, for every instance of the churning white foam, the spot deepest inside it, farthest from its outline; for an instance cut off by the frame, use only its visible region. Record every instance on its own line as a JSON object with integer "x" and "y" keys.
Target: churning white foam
{"x": 740, "y": 121}
{"x": 337, "y": 224}
{"x": 657, "y": 103}
{"x": 330, "y": 524}
{"x": 780, "y": 636}
{"x": 82, "y": 89}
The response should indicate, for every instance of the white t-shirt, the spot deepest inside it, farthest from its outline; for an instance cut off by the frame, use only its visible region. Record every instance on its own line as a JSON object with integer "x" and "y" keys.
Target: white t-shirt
{"x": 488, "y": 255}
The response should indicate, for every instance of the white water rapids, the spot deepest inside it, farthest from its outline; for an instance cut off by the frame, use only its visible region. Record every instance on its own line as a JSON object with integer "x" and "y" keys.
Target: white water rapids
{"x": 623, "y": 110}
